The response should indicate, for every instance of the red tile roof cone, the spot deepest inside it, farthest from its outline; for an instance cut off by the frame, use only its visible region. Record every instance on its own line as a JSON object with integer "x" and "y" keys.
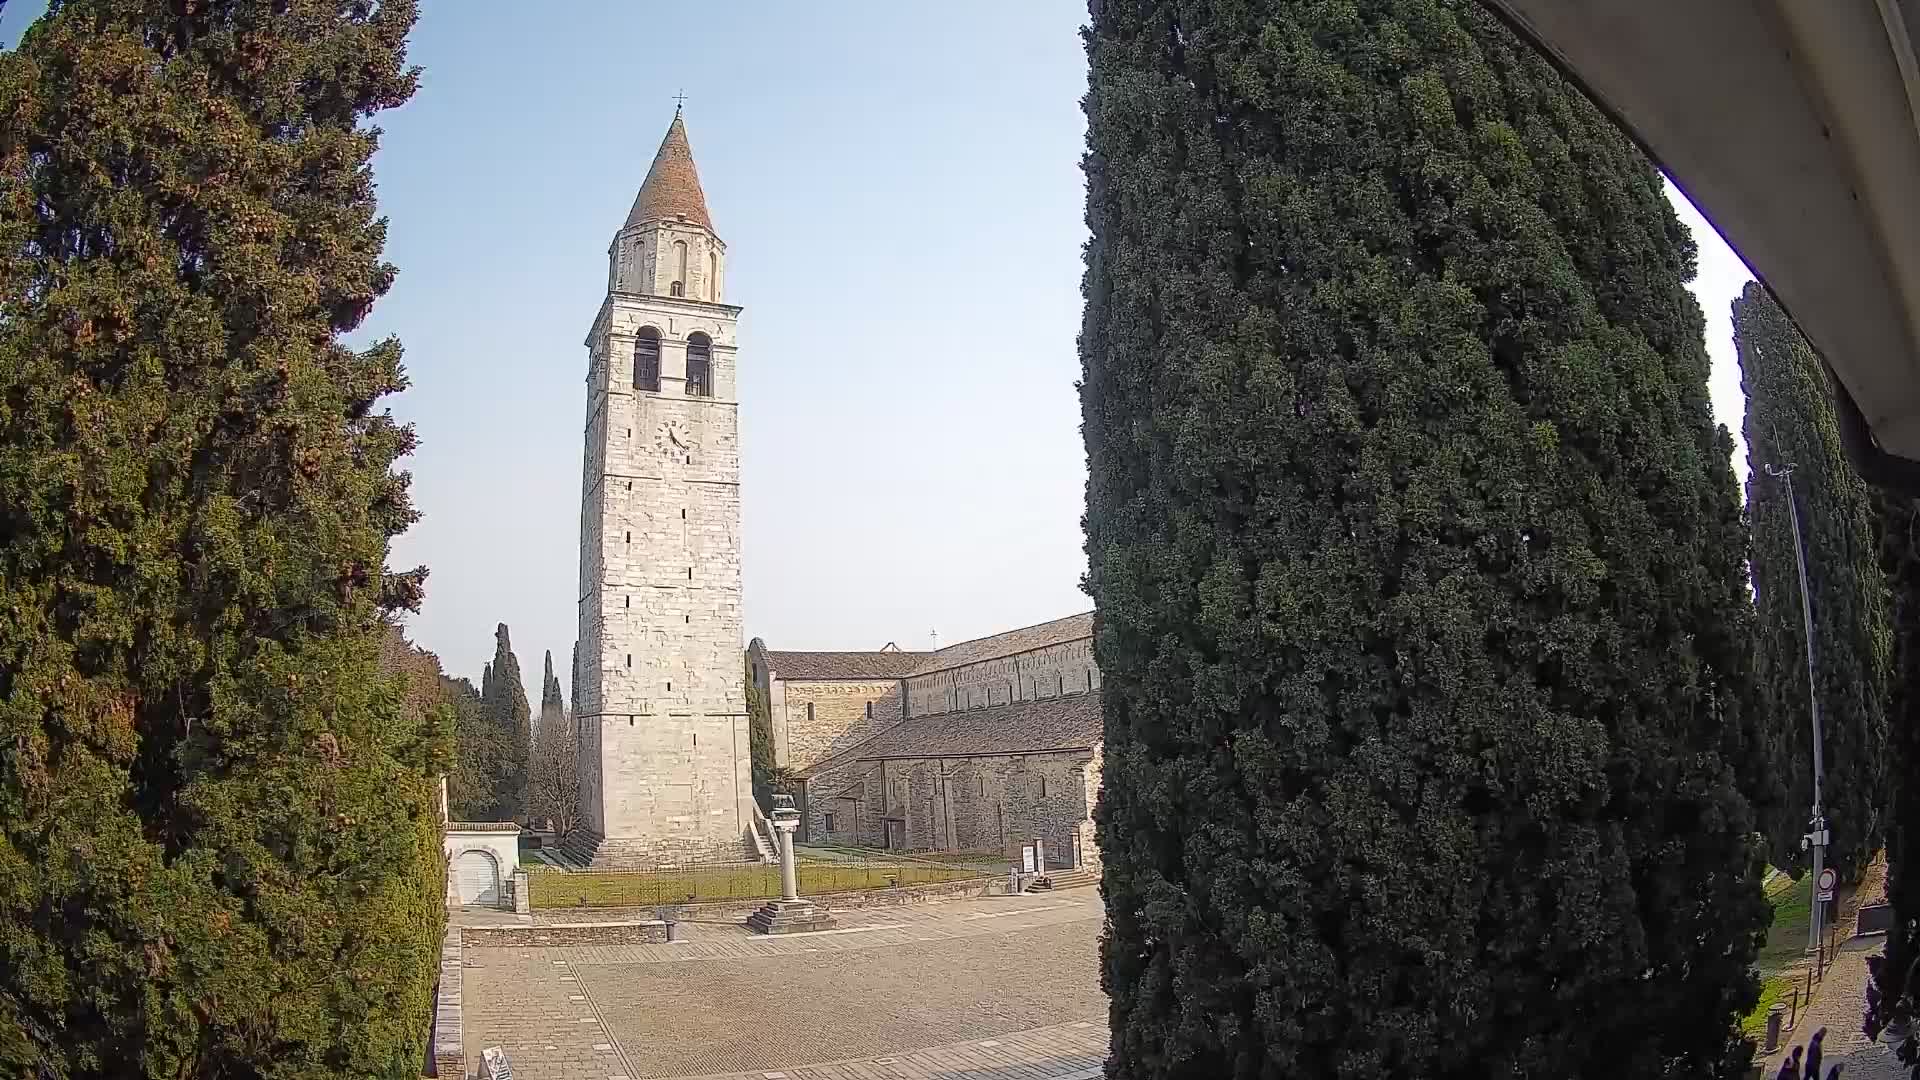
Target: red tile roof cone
{"x": 672, "y": 189}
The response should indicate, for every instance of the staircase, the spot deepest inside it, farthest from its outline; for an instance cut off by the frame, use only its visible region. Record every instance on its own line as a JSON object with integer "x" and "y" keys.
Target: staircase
{"x": 759, "y": 838}
{"x": 1063, "y": 879}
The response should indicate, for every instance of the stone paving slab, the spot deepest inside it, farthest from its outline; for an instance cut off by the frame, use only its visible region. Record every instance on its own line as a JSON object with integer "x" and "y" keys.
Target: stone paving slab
{"x": 1071, "y": 1051}
{"x": 976, "y": 991}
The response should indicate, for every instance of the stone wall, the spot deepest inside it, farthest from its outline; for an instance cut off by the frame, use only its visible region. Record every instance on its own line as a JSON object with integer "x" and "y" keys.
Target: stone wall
{"x": 817, "y": 719}
{"x": 630, "y": 932}
{"x": 996, "y": 802}
{"x": 1066, "y": 668}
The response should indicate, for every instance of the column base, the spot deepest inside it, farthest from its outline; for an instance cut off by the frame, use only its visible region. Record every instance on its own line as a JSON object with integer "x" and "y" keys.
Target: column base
{"x": 789, "y": 917}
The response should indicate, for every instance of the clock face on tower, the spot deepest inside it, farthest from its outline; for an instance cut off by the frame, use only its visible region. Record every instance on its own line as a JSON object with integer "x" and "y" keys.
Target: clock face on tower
{"x": 672, "y": 437}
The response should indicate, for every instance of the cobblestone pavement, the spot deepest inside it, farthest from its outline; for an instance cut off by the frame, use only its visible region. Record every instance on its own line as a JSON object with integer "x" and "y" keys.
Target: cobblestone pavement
{"x": 1839, "y": 1005}
{"x": 965, "y": 990}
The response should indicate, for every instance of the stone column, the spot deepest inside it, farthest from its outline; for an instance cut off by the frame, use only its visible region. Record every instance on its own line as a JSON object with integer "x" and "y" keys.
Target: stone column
{"x": 789, "y": 914}
{"x": 785, "y": 821}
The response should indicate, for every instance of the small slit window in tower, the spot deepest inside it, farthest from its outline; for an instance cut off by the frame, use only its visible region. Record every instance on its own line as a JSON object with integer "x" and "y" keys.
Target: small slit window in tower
{"x": 713, "y": 277}
{"x": 629, "y": 537}
{"x": 809, "y": 712}
{"x": 669, "y": 686}
{"x": 699, "y": 365}
{"x": 646, "y": 361}
{"x": 689, "y": 573}
{"x": 629, "y": 659}
{"x": 869, "y": 710}
{"x": 1089, "y": 678}
{"x": 629, "y": 601}
{"x": 1043, "y": 787}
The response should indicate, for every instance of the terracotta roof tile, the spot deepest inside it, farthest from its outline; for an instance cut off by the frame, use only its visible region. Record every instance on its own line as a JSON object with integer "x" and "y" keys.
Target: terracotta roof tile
{"x": 672, "y": 188}
{"x": 1025, "y": 639}
{"x": 828, "y": 666}
{"x": 1061, "y": 723}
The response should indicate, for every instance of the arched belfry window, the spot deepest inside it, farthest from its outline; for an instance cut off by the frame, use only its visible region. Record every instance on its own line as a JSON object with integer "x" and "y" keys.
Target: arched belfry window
{"x": 646, "y": 360}
{"x": 679, "y": 268}
{"x": 699, "y": 365}
{"x": 713, "y": 277}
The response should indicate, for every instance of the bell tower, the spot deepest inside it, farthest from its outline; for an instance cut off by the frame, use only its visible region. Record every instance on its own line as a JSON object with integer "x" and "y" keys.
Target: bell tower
{"x": 662, "y": 713}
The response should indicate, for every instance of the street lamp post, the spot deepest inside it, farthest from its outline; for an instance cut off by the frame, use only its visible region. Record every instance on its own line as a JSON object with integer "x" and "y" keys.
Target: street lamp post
{"x": 1816, "y": 837}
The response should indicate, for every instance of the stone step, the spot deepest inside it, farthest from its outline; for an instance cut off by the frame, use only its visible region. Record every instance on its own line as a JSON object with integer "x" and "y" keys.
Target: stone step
{"x": 789, "y": 917}
{"x": 1075, "y": 878}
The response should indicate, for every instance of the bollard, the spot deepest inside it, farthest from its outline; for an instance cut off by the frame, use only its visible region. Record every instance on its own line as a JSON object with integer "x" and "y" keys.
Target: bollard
{"x": 1776, "y": 1014}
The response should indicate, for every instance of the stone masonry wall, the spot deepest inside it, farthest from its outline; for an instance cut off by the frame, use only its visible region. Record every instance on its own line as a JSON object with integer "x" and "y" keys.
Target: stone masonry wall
{"x": 1066, "y": 668}
{"x": 818, "y": 719}
{"x": 986, "y": 803}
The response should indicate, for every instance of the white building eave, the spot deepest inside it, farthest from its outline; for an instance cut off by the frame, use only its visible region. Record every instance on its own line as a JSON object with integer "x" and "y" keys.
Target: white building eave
{"x": 1794, "y": 125}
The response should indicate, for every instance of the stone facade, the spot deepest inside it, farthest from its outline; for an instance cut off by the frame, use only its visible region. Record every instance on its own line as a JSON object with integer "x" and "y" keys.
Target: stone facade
{"x": 661, "y": 703}
{"x": 981, "y": 746}
{"x": 982, "y": 803}
{"x": 1032, "y": 675}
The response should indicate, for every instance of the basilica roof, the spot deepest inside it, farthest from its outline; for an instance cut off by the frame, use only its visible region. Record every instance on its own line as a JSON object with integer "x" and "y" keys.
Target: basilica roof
{"x": 1071, "y": 722}
{"x": 1025, "y": 639}
{"x": 672, "y": 189}
{"x": 892, "y": 664}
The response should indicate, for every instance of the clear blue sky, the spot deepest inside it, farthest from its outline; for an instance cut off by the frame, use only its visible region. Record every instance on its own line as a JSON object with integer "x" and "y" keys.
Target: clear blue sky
{"x": 899, "y": 188}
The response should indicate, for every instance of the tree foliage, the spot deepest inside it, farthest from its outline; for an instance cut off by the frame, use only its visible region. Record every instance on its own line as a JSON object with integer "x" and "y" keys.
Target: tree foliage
{"x": 473, "y": 784}
{"x": 503, "y": 699}
{"x": 1893, "y": 997}
{"x": 553, "y": 779}
{"x": 219, "y": 847}
{"x": 759, "y": 736}
{"x": 1790, "y": 421}
{"x": 1418, "y": 563}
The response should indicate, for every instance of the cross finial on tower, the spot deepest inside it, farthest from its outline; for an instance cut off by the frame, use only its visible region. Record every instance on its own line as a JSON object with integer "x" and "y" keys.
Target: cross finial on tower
{"x": 679, "y": 100}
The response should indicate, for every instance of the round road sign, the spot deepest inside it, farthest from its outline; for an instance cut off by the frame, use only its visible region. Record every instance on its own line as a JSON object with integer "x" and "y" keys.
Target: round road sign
{"x": 1828, "y": 879}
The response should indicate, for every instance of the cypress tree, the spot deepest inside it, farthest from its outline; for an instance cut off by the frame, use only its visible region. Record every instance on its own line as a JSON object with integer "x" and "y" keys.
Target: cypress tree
{"x": 218, "y": 815}
{"x": 1893, "y": 995}
{"x": 472, "y": 782}
{"x": 1790, "y": 421}
{"x": 553, "y": 709}
{"x": 1418, "y": 562}
{"x": 512, "y": 720}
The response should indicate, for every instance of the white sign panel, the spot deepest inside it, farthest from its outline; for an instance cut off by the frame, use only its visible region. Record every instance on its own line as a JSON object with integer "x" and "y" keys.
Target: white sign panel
{"x": 1026, "y": 858}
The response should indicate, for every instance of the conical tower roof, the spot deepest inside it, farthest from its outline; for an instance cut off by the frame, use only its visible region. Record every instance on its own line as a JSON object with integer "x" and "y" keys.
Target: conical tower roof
{"x": 672, "y": 188}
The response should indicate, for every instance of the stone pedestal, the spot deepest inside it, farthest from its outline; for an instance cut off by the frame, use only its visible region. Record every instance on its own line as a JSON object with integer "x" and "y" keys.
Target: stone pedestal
{"x": 789, "y": 917}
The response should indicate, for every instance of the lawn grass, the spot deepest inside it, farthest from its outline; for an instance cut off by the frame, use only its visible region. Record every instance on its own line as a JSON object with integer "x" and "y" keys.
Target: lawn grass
{"x": 1785, "y": 948}
{"x": 641, "y": 888}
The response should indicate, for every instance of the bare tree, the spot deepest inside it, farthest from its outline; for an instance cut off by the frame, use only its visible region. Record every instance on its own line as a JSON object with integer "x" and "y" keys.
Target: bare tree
{"x": 553, "y": 778}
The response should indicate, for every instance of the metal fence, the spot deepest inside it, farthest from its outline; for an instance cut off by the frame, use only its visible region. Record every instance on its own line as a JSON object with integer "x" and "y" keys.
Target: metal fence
{"x": 828, "y": 871}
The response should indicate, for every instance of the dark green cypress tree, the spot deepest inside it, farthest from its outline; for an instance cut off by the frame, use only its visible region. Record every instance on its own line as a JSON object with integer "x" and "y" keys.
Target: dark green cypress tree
{"x": 553, "y": 709}
{"x": 1790, "y": 421}
{"x": 1418, "y": 562}
{"x": 1893, "y": 997}
{"x": 219, "y": 832}
{"x": 472, "y": 782}
{"x": 512, "y": 720}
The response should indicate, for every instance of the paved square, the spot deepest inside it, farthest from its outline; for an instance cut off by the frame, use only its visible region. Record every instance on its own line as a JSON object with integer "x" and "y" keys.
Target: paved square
{"x": 984, "y": 989}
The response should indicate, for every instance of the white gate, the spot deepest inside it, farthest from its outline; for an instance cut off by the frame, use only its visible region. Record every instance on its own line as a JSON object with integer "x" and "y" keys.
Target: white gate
{"x": 479, "y": 879}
